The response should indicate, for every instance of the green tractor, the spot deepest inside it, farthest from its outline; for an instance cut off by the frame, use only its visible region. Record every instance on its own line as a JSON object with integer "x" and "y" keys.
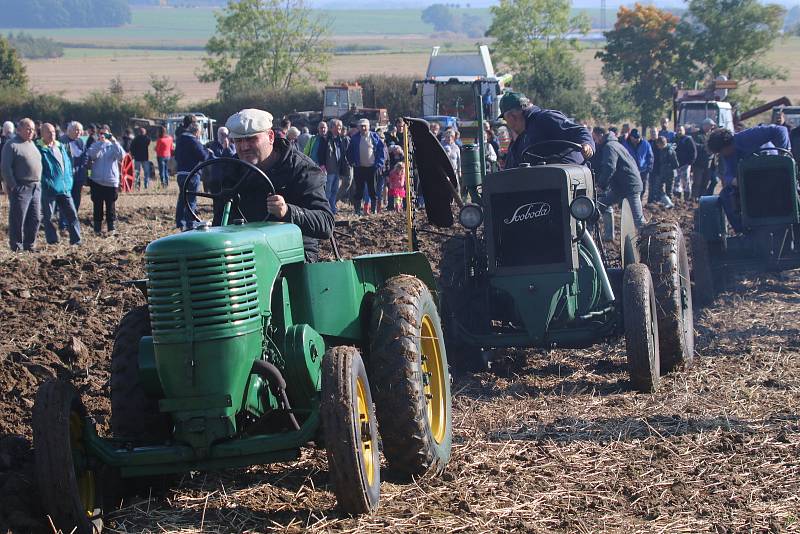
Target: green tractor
{"x": 526, "y": 272}
{"x": 243, "y": 355}
{"x": 769, "y": 202}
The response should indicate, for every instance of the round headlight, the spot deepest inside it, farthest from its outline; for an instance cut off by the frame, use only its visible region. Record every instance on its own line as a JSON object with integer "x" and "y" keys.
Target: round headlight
{"x": 582, "y": 208}
{"x": 471, "y": 216}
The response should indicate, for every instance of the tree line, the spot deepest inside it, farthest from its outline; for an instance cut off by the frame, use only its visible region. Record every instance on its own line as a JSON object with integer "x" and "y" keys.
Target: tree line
{"x": 64, "y": 13}
{"x": 30, "y": 47}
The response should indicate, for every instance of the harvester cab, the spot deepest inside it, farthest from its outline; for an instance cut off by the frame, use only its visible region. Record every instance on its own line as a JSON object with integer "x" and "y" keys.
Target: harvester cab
{"x": 244, "y": 354}
{"x": 770, "y": 240}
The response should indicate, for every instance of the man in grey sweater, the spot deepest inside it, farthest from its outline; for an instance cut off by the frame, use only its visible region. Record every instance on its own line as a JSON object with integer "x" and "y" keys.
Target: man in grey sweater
{"x": 21, "y": 168}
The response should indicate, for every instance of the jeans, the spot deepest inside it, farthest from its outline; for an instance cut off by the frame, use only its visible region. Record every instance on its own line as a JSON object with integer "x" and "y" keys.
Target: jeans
{"x": 24, "y": 215}
{"x": 183, "y": 219}
{"x": 77, "y": 190}
{"x": 144, "y": 167}
{"x": 331, "y": 188}
{"x": 66, "y": 208}
{"x": 608, "y": 199}
{"x": 656, "y": 188}
{"x": 645, "y": 183}
{"x": 684, "y": 184}
{"x": 364, "y": 175}
{"x": 729, "y": 198}
{"x": 103, "y": 196}
{"x": 163, "y": 171}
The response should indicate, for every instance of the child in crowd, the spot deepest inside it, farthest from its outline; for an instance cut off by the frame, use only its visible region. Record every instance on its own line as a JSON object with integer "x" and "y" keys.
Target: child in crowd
{"x": 397, "y": 187}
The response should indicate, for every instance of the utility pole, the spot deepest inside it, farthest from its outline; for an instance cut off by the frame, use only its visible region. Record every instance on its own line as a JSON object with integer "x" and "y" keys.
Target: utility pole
{"x": 602, "y": 15}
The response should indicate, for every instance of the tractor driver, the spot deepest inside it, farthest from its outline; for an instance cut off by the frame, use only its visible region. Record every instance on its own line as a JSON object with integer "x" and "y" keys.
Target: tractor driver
{"x": 732, "y": 148}
{"x": 533, "y": 125}
{"x": 299, "y": 184}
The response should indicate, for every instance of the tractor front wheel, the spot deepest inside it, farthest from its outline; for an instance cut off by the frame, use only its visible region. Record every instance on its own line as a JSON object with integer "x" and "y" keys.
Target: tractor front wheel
{"x": 703, "y": 287}
{"x": 68, "y": 485}
{"x": 134, "y": 414}
{"x": 641, "y": 327}
{"x": 350, "y": 431}
{"x": 663, "y": 249}
{"x": 410, "y": 378}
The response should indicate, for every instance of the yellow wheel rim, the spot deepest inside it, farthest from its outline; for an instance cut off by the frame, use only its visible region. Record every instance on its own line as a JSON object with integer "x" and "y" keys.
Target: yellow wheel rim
{"x": 434, "y": 376}
{"x": 84, "y": 478}
{"x": 367, "y": 445}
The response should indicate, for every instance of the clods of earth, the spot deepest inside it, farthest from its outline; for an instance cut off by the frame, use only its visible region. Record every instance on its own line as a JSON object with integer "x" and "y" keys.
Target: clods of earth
{"x": 547, "y": 441}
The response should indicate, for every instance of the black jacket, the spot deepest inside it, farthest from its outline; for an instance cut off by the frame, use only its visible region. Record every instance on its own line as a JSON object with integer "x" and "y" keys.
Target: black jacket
{"x": 139, "y": 146}
{"x": 298, "y": 179}
{"x": 685, "y": 149}
{"x": 548, "y": 125}
{"x": 333, "y": 154}
{"x": 618, "y": 170}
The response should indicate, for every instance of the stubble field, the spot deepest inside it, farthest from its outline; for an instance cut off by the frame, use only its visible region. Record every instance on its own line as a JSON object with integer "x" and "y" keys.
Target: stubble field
{"x": 550, "y": 441}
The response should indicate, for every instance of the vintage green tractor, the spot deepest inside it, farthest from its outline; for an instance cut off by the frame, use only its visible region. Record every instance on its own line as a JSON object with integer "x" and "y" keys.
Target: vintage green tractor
{"x": 243, "y": 355}
{"x": 528, "y": 273}
{"x": 767, "y": 183}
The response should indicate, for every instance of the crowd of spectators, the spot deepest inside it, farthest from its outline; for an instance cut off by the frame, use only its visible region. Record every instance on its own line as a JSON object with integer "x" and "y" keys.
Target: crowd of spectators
{"x": 44, "y": 170}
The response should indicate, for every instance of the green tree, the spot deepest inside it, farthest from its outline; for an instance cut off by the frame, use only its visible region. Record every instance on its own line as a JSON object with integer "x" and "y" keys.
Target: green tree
{"x": 266, "y": 44}
{"x": 532, "y": 40}
{"x": 12, "y": 71}
{"x": 524, "y": 28}
{"x": 731, "y": 37}
{"x": 441, "y": 17}
{"x": 473, "y": 26}
{"x": 615, "y": 102}
{"x": 164, "y": 96}
{"x": 645, "y": 53}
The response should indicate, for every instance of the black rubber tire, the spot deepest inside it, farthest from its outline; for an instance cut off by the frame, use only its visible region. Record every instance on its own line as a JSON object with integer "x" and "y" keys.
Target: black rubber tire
{"x": 56, "y": 409}
{"x": 134, "y": 415}
{"x": 397, "y": 369}
{"x": 663, "y": 249}
{"x": 641, "y": 327}
{"x": 454, "y": 300}
{"x": 702, "y": 279}
{"x": 342, "y": 369}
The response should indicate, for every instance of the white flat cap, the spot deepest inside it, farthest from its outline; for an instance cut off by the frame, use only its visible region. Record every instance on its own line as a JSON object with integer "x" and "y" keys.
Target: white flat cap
{"x": 248, "y": 122}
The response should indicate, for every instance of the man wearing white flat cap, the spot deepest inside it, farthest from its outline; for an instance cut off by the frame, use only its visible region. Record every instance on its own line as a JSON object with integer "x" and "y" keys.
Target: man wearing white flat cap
{"x": 299, "y": 183}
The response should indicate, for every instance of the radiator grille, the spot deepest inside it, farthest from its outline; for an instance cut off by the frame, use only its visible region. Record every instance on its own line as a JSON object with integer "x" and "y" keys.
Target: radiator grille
{"x": 203, "y": 294}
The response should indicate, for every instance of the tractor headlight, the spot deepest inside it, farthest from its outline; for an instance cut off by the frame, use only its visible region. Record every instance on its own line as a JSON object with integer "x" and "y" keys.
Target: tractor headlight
{"x": 582, "y": 208}
{"x": 471, "y": 216}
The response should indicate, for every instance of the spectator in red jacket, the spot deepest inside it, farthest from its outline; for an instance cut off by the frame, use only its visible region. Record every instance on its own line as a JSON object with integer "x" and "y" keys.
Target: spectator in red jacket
{"x": 165, "y": 147}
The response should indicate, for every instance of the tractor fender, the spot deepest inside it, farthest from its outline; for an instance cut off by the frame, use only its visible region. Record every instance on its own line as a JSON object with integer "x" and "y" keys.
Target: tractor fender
{"x": 380, "y": 267}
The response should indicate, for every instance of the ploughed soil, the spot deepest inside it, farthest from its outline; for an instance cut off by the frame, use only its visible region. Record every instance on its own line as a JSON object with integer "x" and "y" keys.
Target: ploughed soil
{"x": 547, "y": 441}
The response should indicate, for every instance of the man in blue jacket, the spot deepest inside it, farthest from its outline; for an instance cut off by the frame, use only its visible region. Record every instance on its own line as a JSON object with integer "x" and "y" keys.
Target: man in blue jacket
{"x": 189, "y": 151}
{"x": 734, "y": 147}
{"x": 642, "y": 153}
{"x": 618, "y": 177}
{"x": 534, "y": 125}
{"x": 57, "y": 186}
{"x": 367, "y": 156}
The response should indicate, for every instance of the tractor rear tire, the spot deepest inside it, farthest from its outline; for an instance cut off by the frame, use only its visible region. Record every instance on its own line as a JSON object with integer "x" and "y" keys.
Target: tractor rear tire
{"x": 410, "y": 378}
{"x": 455, "y": 308}
{"x": 134, "y": 414}
{"x": 69, "y": 490}
{"x": 663, "y": 249}
{"x": 641, "y": 327}
{"x": 702, "y": 278}
{"x": 350, "y": 431}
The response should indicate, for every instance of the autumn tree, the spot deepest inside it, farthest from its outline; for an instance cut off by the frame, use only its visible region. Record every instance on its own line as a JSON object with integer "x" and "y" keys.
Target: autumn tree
{"x": 266, "y": 44}
{"x": 645, "y": 53}
{"x": 12, "y": 71}
{"x": 534, "y": 39}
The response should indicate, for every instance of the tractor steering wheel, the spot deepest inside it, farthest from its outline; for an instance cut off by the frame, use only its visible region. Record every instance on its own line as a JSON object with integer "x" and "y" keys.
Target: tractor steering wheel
{"x": 544, "y": 160}
{"x": 225, "y": 194}
{"x": 781, "y": 151}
